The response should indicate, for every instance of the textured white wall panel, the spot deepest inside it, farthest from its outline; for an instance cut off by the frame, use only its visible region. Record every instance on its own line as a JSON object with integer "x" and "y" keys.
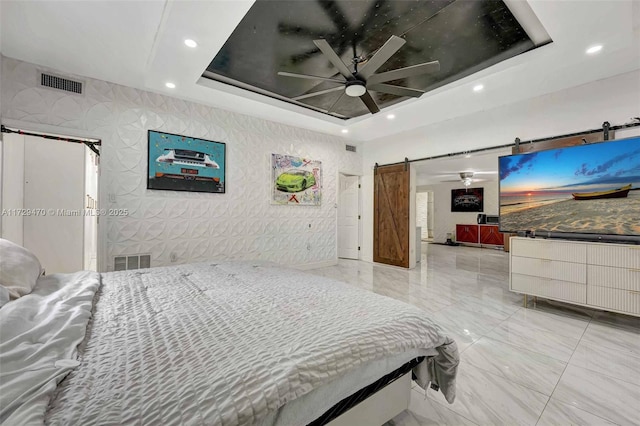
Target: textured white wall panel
{"x": 240, "y": 224}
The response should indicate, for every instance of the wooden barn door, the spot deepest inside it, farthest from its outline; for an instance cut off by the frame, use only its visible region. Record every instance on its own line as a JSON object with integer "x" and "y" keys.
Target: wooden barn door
{"x": 391, "y": 215}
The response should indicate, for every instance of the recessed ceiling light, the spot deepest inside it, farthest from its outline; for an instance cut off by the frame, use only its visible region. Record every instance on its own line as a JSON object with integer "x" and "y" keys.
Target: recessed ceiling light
{"x": 391, "y": 116}
{"x": 170, "y": 85}
{"x": 190, "y": 43}
{"x": 594, "y": 49}
{"x": 345, "y": 131}
{"x": 478, "y": 87}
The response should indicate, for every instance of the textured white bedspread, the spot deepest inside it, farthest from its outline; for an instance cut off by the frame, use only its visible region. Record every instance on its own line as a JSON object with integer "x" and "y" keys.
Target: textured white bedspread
{"x": 225, "y": 344}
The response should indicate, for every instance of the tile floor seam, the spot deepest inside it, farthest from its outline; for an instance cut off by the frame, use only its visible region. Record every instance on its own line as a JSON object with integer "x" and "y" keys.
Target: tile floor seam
{"x": 444, "y": 406}
{"x": 563, "y": 371}
{"x": 604, "y": 374}
{"x": 491, "y": 330}
{"x": 512, "y": 381}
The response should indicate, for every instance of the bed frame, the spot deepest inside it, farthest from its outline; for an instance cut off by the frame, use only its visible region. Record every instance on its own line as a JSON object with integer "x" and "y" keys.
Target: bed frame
{"x": 380, "y": 407}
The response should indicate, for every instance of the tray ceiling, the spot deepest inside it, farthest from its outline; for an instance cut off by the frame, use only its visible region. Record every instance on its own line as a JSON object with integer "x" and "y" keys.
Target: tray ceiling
{"x": 464, "y": 36}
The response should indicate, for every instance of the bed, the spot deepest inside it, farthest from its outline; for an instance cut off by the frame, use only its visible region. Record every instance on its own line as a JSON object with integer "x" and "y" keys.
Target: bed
{"x": 221, "y": 343}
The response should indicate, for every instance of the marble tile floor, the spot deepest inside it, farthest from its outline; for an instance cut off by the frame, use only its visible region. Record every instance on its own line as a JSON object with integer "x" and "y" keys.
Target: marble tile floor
{"x": 548, "y": 364}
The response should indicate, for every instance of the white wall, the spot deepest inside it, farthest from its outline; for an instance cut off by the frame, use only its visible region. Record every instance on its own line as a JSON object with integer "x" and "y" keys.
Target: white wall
{"x": 445, "y": 220}
{"x": 193, "y": 226}
{"x": 584, "y": 107}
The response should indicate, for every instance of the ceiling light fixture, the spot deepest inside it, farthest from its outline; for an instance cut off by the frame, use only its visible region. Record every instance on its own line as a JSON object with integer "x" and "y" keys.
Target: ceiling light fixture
{"x": 467, "y": 156}
{"x": 345, "y": 131}
{"x": 170, "y": 85}
{"x": 478, "y": 87}
{"x": 391, "y": 116}
{"x": 594, "y": 49}
{"x": 355, "y": 89}
{"x": 190, "y": 43}
{"x": 466, "y": 182}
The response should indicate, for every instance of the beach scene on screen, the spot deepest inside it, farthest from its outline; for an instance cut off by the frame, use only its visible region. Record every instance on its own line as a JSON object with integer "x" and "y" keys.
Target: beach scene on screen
{"x": 591, "y": 188}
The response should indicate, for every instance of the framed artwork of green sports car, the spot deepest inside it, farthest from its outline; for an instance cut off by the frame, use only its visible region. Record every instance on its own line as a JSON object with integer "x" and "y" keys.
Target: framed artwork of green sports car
{"x": 296, "y": 180}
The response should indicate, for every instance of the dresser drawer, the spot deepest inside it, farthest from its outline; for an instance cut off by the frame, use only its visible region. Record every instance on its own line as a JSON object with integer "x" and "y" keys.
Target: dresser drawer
{"x": 545, "y": 268}
{"x": 552, "y": 250}
{"x": 618, "y": 256}
{"x": 614, "y": 299}
{"x": 606, "y": 276}
{"x": 546, "y": 287}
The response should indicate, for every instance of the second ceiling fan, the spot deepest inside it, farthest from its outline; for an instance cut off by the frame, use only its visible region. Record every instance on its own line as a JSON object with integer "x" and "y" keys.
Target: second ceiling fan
{"x": 357, "y": 83}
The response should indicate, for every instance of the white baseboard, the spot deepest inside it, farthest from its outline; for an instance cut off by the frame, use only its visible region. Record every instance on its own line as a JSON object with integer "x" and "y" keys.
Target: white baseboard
{"x": 316, "y": 265}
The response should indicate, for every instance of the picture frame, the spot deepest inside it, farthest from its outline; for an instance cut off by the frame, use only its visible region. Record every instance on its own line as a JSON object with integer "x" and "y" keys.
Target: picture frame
{"x": 296, "y": 180}
{"x": 467, "y": 200}
{"x": 184, "y": 163}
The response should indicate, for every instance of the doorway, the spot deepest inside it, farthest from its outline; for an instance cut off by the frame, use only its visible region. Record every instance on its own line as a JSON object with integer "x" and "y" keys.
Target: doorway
{"x": 424, "y": 214}
{"x": 52, "y": 186}
{"x": 348, "y": 216}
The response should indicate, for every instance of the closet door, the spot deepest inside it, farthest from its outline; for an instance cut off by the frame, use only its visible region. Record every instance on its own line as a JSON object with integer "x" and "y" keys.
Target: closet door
{"x": 54, "y": 181}
{"x": 391, "y": 215}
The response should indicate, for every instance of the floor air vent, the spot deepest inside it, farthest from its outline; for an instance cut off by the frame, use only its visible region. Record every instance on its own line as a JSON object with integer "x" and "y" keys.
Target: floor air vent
{"x": 55, "y": 82}
{"x": 139, "y": 261}
{"x": 351, "y": 148}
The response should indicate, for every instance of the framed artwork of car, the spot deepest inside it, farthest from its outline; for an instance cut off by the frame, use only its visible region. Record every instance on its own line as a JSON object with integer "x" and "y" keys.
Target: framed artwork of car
{"x": 467, "y": 200}
{"x": 183, "y": 163}
{"x": 296, "y": 180}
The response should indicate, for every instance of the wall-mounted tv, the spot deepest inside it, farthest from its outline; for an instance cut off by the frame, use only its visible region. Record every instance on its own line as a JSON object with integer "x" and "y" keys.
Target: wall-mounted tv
{"x": 591, "y": 190}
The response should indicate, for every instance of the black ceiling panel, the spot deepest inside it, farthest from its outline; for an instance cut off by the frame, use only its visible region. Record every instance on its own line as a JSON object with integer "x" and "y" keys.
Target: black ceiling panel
{"x": 275, "y": 35}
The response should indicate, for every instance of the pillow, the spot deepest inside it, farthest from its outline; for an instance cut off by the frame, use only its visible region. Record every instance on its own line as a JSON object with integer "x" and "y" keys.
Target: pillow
{"x": 19, "y": 269}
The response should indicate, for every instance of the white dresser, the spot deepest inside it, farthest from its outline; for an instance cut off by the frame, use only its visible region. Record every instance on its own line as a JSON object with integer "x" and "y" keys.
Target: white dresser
{"x": 598, "y": 275}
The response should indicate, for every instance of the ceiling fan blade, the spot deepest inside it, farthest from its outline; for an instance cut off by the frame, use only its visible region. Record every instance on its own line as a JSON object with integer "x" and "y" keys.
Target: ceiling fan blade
{"x": 309, "y": 77}
{"x": 321, "y": 92}
{"x": 370, "y": 103}
{"x": 395, "y": 90}
{"x": 382, "y": 55}
{"x": 333, "y": 57}
{"x": 419, "y": 69}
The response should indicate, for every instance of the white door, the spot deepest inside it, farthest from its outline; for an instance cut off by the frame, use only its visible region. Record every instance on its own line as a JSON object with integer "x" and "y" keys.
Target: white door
{"x": 348, "y": 226}
{"x": 54, "y": 174}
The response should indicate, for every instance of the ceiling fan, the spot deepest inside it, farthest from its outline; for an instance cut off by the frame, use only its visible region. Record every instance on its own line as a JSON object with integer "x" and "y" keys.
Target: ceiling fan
{"x": 467, "y": 178}
{"x": 357, "y": 83}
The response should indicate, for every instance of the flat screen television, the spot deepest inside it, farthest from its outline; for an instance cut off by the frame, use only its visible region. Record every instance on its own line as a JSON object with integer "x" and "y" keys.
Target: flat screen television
{"x": 589, "y": 191}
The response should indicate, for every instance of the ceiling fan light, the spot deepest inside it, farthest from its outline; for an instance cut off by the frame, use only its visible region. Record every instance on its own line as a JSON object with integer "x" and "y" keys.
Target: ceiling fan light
{"x": 355, "y": 89}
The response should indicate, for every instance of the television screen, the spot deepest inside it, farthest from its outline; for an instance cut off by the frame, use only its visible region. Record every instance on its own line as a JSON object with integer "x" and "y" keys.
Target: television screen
{"x": 182, "y": 163}
{"x": 583, "y": 189}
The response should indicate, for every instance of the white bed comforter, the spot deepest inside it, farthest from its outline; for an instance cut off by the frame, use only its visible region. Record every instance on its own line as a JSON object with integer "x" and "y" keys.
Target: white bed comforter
{"x": 220, "y": 344}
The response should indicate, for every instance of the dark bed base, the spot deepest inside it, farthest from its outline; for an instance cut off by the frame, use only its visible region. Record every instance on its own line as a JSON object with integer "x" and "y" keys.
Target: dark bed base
{"x": 364, "y": 393}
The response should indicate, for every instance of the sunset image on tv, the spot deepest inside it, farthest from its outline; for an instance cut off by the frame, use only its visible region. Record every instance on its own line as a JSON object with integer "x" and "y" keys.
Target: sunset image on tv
{"x": 591, "y": 188}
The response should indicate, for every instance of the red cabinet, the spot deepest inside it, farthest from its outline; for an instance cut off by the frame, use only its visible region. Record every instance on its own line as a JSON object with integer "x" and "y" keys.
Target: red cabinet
{"x": 490, "y": 234}
{"x": 479, "y": 234}
{"x": 467, "y": 234}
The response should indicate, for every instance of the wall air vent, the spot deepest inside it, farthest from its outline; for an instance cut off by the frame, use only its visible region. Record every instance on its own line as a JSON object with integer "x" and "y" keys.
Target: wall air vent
{"x": 59, "y": 83}
{"x": 351, "y": 148}
{"x": 137, "y": 261}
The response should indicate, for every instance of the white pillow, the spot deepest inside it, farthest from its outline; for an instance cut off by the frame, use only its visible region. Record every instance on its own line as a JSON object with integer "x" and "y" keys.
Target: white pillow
{"x": 19, "y": 269}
